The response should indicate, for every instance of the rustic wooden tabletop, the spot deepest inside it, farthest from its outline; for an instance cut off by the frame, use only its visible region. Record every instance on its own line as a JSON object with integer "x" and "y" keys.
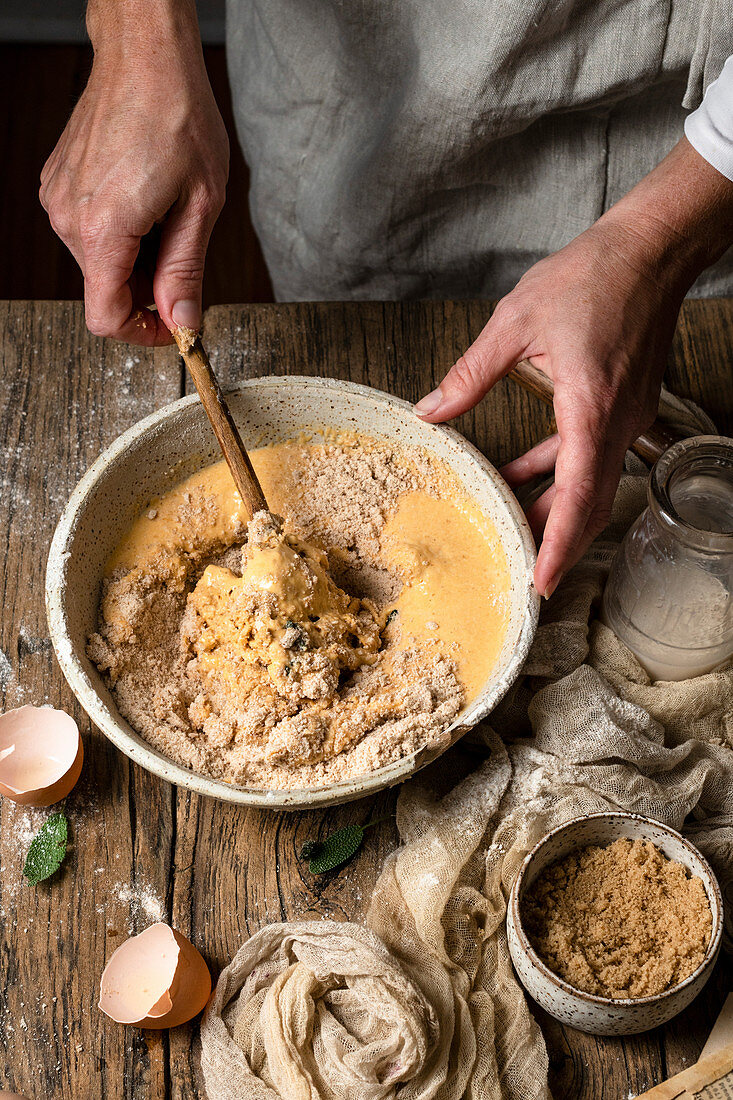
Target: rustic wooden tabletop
{"x": 143, "y": 850}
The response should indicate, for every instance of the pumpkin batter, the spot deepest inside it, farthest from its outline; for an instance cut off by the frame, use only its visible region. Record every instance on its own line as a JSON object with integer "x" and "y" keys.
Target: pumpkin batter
{"x": 298, "y": 651}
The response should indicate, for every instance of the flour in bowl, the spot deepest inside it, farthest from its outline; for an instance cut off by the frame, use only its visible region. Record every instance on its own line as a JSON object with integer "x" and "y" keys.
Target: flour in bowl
{"x": 340, "y": 633}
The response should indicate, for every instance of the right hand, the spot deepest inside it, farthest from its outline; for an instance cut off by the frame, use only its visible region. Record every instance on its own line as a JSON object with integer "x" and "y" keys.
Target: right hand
{"x": 145, "y": 144}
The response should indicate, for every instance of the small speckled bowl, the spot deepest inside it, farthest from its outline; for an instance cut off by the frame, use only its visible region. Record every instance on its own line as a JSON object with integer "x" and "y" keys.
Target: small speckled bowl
{"x": 601, "y": 1015}
{"x": 161, "y": 450}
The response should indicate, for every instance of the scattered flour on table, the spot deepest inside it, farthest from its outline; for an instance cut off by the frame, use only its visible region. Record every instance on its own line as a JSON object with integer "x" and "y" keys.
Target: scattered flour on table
{"x": 143, "y": 901}
{"x": 6, "y": 671}
{"x": 19, "y": 832}
{"x": 19, "y": 825}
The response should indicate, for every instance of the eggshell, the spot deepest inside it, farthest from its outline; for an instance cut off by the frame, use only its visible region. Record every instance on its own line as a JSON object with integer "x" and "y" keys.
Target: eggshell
{"x": 41, "y": 755}
{"x": 157, "y": 979}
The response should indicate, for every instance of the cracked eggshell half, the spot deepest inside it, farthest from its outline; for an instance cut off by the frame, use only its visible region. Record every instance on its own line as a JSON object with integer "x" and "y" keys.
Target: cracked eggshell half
{"x": 41, "y": 755}
{"x": 157, "y": 979}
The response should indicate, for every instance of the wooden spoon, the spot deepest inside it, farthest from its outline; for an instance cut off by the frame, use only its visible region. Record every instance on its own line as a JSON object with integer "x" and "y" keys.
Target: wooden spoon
{"x": 650, "y": 445}
{"x": 221, "y": 420}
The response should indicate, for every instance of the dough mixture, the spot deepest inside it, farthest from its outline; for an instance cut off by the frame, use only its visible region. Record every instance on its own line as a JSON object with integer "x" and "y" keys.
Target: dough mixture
{"x": 314, "y": 644}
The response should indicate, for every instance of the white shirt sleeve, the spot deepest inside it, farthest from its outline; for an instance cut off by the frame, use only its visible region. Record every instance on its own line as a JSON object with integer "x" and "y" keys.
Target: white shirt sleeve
{"x": 709, "y": 129}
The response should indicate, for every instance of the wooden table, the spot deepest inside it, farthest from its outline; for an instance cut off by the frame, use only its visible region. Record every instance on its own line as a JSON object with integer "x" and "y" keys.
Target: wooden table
{"x": 142, "y": 848}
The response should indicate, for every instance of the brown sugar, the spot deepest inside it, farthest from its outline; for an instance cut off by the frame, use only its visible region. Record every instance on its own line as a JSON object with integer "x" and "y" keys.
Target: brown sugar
{"x": 620, "y": 922}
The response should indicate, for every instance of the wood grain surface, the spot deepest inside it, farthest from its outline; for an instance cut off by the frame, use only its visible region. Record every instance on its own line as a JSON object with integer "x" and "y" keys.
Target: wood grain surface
{"x": 143, "y": 849}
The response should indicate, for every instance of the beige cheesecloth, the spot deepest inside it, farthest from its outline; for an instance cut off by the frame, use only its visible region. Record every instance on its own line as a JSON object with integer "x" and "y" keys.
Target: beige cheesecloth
{"x": 423, "y": 1002}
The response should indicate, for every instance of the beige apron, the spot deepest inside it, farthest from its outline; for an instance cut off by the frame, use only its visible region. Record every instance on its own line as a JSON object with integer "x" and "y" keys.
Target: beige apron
{"x": 438, "y": 148}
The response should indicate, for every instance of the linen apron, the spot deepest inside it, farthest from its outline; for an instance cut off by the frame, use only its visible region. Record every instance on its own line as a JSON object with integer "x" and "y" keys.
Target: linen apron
{"x": 439, "y": 148}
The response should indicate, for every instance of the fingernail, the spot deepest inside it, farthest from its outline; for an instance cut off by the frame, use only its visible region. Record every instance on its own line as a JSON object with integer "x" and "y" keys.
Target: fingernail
{"x": 430, "y": 403}
{"x": 186, "y": 314}
{"x": 552, "y": 585}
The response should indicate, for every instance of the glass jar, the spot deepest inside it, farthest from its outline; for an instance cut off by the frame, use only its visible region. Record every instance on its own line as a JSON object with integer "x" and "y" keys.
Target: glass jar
{"x": 668, "y": 597}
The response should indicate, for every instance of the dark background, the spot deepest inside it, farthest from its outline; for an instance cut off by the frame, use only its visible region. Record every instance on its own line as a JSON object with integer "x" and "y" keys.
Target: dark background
{"x": 45, "y": 60}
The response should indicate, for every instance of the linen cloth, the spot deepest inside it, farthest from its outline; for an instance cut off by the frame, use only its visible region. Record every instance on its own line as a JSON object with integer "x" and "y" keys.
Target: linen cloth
{"x": 423, "y": 1003}
{"x": 439, "y": 148}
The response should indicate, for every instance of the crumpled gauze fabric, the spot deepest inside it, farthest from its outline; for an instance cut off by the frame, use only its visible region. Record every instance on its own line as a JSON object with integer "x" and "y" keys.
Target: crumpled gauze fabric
{"x": 423, "y": 1003}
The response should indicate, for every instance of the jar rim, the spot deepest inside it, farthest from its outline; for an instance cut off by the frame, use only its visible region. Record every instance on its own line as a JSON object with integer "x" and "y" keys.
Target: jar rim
{"x": 718, "y": 450}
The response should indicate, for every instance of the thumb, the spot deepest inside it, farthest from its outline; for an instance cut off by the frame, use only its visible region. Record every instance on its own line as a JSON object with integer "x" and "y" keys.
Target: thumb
{"x": 179, "y": 268}
{"x": 497, "y": 349}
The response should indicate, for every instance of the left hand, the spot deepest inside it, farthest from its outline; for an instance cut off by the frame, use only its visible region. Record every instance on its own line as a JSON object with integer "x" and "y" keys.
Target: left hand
{"x": 598, "y": 320}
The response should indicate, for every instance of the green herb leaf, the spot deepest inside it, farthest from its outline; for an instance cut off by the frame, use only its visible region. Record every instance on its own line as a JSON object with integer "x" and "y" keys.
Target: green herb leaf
{"x": 336, "y": 849}
{"x": 47, "y": 850}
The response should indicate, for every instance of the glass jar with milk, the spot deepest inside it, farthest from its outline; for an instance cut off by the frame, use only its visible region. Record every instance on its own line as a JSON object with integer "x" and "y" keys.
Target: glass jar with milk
{"x": 668, "y": 596}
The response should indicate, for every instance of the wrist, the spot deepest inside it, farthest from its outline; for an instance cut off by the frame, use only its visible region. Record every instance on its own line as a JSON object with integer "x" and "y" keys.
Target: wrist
{"x": 143, "y": 32}
{"x": 678, "y": 219}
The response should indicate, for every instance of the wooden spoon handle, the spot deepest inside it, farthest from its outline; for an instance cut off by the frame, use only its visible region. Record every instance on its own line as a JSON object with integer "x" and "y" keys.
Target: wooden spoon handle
{"x": 650, "y": 445}
{"x": 194, "y": 356}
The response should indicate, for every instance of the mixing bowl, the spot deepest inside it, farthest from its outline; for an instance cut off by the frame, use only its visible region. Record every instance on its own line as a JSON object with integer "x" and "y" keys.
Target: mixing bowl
{"x": 153, "y": 455}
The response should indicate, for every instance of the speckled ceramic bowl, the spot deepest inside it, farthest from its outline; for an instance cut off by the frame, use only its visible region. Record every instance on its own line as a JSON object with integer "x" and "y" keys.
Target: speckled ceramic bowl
{"x": 601, "y": 1015}
{"x": 164, "y": 448}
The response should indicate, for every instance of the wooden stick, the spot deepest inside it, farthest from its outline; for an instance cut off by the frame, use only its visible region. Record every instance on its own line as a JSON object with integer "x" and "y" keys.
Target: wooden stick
{"x": 194, "y": 356}
{"x": 650, "y": 445}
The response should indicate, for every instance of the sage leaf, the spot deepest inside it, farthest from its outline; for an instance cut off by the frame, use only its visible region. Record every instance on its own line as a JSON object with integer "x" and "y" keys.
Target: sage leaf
{"x": 47, "y": 850}
{"x": 336, "y": 849}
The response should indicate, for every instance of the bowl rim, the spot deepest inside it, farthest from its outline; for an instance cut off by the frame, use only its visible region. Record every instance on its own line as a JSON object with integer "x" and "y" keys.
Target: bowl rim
{"x": 711, "y": 951}
{"x": 292, "y": 798}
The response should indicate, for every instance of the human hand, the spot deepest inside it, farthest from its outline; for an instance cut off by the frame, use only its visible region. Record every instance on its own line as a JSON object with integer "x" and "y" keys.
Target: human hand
{"x": 145, "y": 145}
{"x": 598, "y": 318}
{"x": 599, "y": 327}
